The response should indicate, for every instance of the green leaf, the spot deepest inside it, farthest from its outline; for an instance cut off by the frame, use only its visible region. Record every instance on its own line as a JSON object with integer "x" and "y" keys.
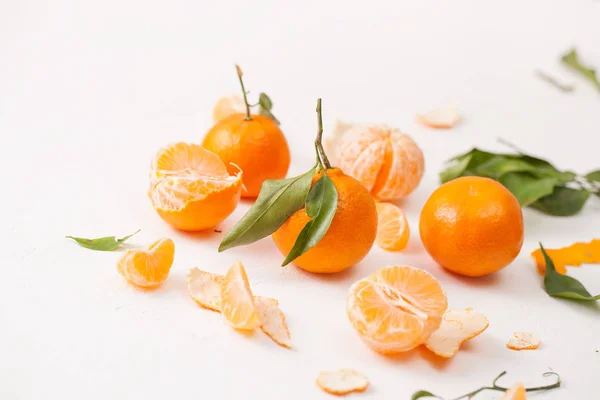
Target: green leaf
{"x": 572, "y": 60}
{"x": 276, "y": 202}
{"x": 456, "y": 169}
{"x": 107, "y": 243}
{"x": 593, "y": 176}
{"x": 265, "y": 107}
{"x": 557, "y": 285}
{"x": 464, "y": 163}
{"x": 321, "y": 206}
{"x": 422, "y": 393}
{"x": 526, "y": 187}
{"x": 563, "y": 201}
{"x": 499, "y": 165}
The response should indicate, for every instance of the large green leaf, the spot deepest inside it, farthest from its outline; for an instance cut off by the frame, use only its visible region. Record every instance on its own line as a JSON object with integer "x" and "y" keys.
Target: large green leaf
{"x": 321, "y": 206}
{"x": 593, "y": 176}
{"x": 499, "y": 165}
{"x": 107, "y": 243}
{"x": 277, "y": 201}
{"x": 563, "y": 201}
{"x": 557, "y": 285}
{"x": 526, "y": 187}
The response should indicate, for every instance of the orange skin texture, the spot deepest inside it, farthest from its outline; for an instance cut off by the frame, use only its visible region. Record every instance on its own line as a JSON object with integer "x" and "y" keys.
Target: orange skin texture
{"x": 472, "y": 226}
{"x": 257, "y": 146}
{"x": 198, "y": 215}
{"x": 351, "y": 233}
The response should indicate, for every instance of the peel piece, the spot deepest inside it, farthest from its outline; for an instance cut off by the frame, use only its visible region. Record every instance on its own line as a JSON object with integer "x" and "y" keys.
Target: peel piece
{"x": 342, "y": 381}
{"x": 272, "y": 321}
{"x": 573, "y": 255}
{"x": 440, "y": 118}
{"x": 205, "y": 288}
{"x": 228, "y": 105}
{"x": 516, "y": 392}
{"x": 523, "y": 341}
{"x": 237, "y": 302}
{"x": 456, "y": 328}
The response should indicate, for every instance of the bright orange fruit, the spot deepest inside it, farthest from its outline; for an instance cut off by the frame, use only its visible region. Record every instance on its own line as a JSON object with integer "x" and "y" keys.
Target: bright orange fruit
{"x": 237, "y": 302}
{"x": 472, "y": 226}
{"x": 190, "y": 187}
{"x": 396, "y": 309}
{"x": 148, "y": 268}
{"x": 350, "y": 235}
{"x": 393, "y": 231}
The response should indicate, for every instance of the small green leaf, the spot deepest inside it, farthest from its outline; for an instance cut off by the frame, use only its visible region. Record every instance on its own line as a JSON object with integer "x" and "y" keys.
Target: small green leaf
{"x": 456, "y": 169}
{"x": 265, "y": 107}
{"x": 572, "y": 60}
{"x": 107, "y": 243}
{"x": 321, "y": 206}
{"x": 276, "y": 202}
{"x": 563, "y": 201}
{"x": 422, "y": 393}
{"x": 557, "y": 285}
{"x": 526, "y": 187}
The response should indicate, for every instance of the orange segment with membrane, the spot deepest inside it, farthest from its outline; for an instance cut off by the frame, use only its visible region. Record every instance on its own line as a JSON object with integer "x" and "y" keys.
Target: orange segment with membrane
{"x": 523, "y": 341}
{"x": 237, "y": 302}
{"x": 516, "y": 392}
{"x": 456, "y": 328}
{"x": 190, "y": 187}
{"x": 396, "y": 309}
{"x": 272, "y": 321}
{"x": 148, "y": 268}
{"x": 205, "y": 288}
{"x": 393, "y": 231}
{"x": 573, "y": 255}
{"x": 342, "y": 381}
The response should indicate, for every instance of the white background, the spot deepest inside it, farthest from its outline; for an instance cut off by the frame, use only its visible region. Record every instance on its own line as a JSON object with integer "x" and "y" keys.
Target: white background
{"x": 89, "y": 91}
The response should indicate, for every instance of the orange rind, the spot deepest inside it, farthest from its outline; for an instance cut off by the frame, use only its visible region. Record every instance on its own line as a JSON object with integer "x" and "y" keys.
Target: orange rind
{"x": 342, "y": 381}
{"x": 456, "y": 328}
{"x": 516, "y": 392}
{"x": 148, "y": 268}
{"x": 396, "y": 309}
{"x": 228, "y": 105}
{"x": 573, "y": 255}
{"x": 237, "y": 302}
{"x": 440, "y": 118}
{"x": 523, "y": 341}
{"x": 272, "y": 321}
{"x": 393, "y": 231}
{"x": 205, "y": 288}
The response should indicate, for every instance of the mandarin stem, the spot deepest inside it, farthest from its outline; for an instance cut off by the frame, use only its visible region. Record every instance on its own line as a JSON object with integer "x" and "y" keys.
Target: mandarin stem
{"x": 318, "y": 141}
{"x": 240, "y": 74}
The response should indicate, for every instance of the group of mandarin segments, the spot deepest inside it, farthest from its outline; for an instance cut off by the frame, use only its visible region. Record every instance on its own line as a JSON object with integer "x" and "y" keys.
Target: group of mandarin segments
{"x": 471, "y": 226}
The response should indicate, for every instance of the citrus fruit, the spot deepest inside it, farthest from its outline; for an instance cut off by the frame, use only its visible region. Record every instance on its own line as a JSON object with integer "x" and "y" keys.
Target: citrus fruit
{"x": 148, "y": 268}
{"x": 237, "y": 302}
{"x": 516, "y": 392}
{"x": 472, "y": 226}
{"x": 350, "y": 235}
{"x": 227, "y": 106}
{"x": 190, "y": 187}
{"x": 393, "y": 231}
{"x": 396, "y": 309}
{"x": 387, "y": 162}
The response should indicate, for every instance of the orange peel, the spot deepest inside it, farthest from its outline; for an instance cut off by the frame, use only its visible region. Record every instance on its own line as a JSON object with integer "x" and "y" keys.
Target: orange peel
{"x": 237, "y": 302}
{"x": 148, "y": 268}
{"x": 573, "y": 255}
{"x": 523, "y": 341}
{"x": 516, "y": 392}
{"x": 342, "y": 381}
{"x": 205, "y": 288}
{"x": 272, "y": 321}
{"x": 228, "y": 105}
{"x": 440, "y": 118}
{"x": 456, "y": 328}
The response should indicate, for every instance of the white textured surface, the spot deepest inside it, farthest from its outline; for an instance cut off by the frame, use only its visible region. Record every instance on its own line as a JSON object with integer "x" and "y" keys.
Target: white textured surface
{"x": 90, "y": 90}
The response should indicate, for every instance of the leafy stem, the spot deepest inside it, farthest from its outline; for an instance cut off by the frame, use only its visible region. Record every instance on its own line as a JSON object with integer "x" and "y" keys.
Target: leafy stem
{"x": 240, "y": 74}
{"x": 321, "y": 156}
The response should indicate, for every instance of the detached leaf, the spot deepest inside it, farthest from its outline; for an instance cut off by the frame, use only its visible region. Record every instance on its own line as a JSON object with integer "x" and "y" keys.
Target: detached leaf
{"x": 277, "y": 201}
{"x": 265, "y": 107}
{"x": 321, "y": 206}
{"x": 526, "y": 187}
{"x": 107, "y": 243}
{"x": 557, "y": 285}
{"x": 572, "y": 60}
{"x": 422, "y": 393}
{"x": 563, "y": 201}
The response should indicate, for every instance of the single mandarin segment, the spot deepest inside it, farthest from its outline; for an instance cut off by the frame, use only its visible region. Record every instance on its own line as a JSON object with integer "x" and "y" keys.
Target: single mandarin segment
{"x": 237, "y": 301}
{"x": 148, "y": 268}
{"x": 387, "y": 162}
{"x": 350, "y": 235}
{"x": 190, "y": 187}
{"x": 393, "y": 231}
{"x": 516, "y": 392}
{"x": 396, "y": 309}
{"x": 472, "y": 226}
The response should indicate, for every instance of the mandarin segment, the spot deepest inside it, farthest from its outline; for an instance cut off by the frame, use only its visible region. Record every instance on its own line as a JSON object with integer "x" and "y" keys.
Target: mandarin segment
{"x": 573, "y": 255}
{"x": 205, "y": 288}
{"x": 342, "y": 381}
{"x": 396, "y": 309}
{"x": 456, "y": 328}
{"x": 523, "y": 341}
{"x": 237, "y": 302}
{"x": 272, "y": 321}
{"x": 393, "y": 231}
{"x": 148, "y": 268}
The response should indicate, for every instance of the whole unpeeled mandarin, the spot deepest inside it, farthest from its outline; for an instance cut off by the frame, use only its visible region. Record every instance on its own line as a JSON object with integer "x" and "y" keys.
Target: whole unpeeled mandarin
{"x": 350, "y": 235}
{"x": 472, "y": 226}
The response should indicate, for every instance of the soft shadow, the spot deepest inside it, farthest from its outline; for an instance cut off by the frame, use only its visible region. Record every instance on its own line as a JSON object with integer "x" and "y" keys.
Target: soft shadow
{"x": 432, "y": 359}
{"x": 479, "y": 281}
{"x": 400, "y": 358}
